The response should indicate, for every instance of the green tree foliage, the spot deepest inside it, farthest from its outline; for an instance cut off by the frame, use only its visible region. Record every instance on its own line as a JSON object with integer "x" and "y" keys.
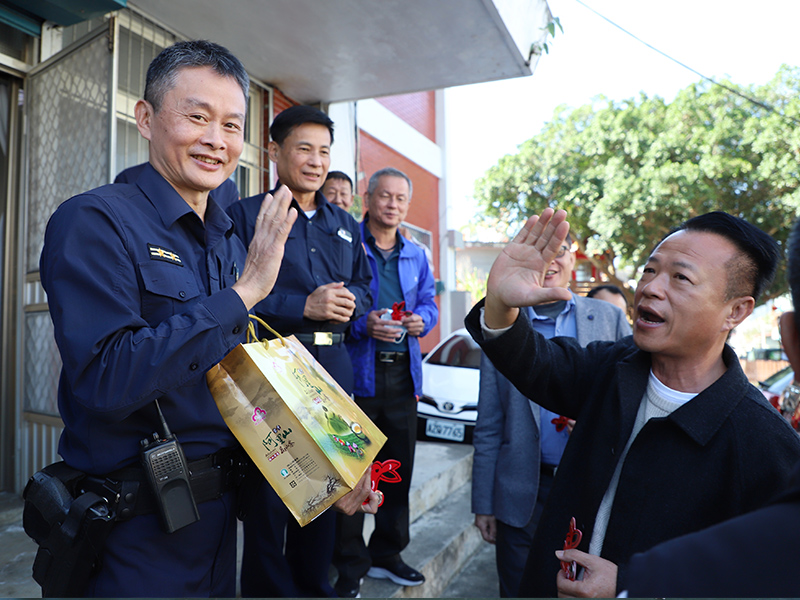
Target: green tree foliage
{"x": 628, "y": 171}
{"x": 356, "y": 209}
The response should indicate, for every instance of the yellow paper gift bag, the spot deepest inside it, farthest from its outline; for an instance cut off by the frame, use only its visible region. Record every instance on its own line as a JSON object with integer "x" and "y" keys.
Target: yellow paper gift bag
{"x": 305, "y": 434}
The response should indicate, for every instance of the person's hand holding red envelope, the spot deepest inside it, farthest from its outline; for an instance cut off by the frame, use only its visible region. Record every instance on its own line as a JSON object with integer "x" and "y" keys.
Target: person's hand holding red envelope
{"x": 384, "y": 471}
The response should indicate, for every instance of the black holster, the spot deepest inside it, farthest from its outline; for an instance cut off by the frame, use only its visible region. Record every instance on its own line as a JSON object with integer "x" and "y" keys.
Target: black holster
{"x": 69, "y": 525}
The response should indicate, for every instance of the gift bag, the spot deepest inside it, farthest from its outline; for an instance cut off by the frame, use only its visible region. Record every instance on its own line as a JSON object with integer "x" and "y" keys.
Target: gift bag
{"x": 305, "y": 434}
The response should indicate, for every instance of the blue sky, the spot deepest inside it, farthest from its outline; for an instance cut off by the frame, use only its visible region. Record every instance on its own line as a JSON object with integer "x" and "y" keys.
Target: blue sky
{"x": 743, "y": 41}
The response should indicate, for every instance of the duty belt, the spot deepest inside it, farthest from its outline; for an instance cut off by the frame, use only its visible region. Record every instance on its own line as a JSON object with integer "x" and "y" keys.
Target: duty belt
{"x": 390, "y": 357}
{"x": 320, "y": 338}
{"x": 128, "y": 491}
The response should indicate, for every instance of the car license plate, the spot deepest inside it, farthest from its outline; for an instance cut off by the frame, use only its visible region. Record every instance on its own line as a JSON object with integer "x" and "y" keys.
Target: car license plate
{"x": 445, "y": 430}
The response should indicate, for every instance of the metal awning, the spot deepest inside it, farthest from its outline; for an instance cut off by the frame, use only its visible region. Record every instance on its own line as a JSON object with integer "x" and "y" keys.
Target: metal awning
{"x": 28, "y": 15}
{"x": 335, "y": 50}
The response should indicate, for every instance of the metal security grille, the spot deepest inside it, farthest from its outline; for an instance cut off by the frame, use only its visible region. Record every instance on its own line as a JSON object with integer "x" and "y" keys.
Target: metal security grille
{"x": 68, "y": 133}
{"x": 42, "y": 364}
{"x": 140, "y": 40}
{"x": 67, "y": 150}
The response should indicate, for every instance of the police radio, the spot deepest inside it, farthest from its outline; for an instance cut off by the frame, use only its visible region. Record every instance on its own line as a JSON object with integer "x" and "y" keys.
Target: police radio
{"x": 168, "y": 473}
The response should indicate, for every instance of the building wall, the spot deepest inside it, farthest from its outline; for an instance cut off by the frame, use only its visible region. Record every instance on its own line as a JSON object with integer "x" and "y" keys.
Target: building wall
{"x": 418, "y": 110}
{"x": 280, "y": 102}
{"x": 424, "y": 209}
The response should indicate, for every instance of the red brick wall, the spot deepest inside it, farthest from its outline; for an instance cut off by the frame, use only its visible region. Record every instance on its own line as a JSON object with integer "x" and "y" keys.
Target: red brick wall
{"x": 417, "y": 109}
{"x": 280, "y": 102}
{"x": 424, "y": 209}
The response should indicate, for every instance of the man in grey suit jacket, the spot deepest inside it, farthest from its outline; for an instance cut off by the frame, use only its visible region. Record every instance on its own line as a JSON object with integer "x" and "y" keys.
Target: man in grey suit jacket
{"x": 517, "y": 447}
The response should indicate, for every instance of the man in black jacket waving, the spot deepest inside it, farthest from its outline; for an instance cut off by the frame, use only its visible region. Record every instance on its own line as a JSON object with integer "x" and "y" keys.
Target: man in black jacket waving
{"x": 671, "y": 437}
{"x": 752, "y": 555}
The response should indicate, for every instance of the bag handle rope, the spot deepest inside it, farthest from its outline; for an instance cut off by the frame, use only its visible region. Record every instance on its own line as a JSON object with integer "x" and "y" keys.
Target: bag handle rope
{"x": 251, "y": 330}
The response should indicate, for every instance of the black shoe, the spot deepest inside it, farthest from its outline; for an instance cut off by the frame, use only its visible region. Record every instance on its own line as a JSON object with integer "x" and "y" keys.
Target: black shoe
{"x": 397, "y": 571}
{"x": 348, "y": 588}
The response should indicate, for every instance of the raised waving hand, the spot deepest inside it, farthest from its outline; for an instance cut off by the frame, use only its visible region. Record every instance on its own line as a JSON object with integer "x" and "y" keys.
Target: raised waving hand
{"x": 517, "y": 274}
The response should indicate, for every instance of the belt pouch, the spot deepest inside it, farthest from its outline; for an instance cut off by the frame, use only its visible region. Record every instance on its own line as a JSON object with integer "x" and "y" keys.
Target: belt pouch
{"x": 70, "y": 531}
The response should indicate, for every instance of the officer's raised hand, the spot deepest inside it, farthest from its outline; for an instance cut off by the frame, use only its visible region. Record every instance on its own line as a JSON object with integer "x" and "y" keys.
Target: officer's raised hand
{"x": 330, "y": 302}
{"x": 518, "y": 272}
{"x": 264, "y": 256}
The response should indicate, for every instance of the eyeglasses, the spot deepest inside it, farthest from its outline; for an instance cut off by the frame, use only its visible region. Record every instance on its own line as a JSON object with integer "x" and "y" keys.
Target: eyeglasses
{"x": 562, "y": 251}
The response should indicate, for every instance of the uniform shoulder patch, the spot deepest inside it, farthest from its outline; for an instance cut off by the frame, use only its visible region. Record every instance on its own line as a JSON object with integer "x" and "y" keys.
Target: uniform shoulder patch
{"x": 160, "y": 253}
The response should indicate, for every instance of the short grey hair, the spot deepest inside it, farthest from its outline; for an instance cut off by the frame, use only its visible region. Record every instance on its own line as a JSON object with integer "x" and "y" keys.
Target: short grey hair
{"x": 163, "y": 70}
{"x": 388, "y": 172}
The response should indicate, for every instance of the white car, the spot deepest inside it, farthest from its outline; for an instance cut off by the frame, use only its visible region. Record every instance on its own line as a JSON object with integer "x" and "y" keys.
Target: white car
{"x": 448, "y": 408}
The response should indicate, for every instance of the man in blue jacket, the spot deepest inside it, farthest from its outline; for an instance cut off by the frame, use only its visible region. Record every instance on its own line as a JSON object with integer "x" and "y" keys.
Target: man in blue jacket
{"x": 384, "y": 347}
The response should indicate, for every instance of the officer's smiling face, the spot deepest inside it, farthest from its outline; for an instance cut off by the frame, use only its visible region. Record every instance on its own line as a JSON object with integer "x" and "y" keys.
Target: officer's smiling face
{"x": 303, "y": 158}
{"x": 197, "y": 134}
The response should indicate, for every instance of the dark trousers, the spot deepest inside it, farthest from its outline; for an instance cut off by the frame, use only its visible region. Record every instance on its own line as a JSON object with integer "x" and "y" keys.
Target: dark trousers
{"x": 199, "y": 560}
{"x": 394, "y": 410}
{"x": 514, "y": 543}
{"x": 280, "y": 558}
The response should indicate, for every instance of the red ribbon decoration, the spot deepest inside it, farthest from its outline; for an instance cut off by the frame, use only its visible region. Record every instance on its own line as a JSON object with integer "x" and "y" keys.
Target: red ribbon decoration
{"x": 560, "y": 423}
{"x": 383, "y": 471}
{"x": 572, "y": 541}
{"x": 399, "y": 311}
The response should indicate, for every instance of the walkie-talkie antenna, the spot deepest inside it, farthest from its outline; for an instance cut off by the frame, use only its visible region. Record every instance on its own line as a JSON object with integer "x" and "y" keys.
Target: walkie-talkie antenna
{"x": 164, "y": 427}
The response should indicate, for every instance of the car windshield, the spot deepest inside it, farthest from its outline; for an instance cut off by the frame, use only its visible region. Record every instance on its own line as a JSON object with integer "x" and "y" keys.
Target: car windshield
{"x": 458, "y": 351}
{"x": 776, "y": 377}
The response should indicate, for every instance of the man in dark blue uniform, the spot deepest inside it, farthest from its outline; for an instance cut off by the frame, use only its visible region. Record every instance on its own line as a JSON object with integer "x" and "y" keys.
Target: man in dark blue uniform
{"x": 144, "y": 295}
{"x": 323, "y": 285}
{"x": 225, "y": 195}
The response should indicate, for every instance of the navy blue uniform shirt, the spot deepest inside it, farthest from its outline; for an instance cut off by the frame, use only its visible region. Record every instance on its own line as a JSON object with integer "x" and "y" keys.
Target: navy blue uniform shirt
{"x": 139, "y": 293}
{"x": 324, "y": 249}
{"x": 225, "y": 195}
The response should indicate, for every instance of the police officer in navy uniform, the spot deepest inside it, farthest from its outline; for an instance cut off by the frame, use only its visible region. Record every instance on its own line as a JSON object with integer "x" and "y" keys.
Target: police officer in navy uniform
{"x": 323, "y": 285}
{"x": 143, "y": 292}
